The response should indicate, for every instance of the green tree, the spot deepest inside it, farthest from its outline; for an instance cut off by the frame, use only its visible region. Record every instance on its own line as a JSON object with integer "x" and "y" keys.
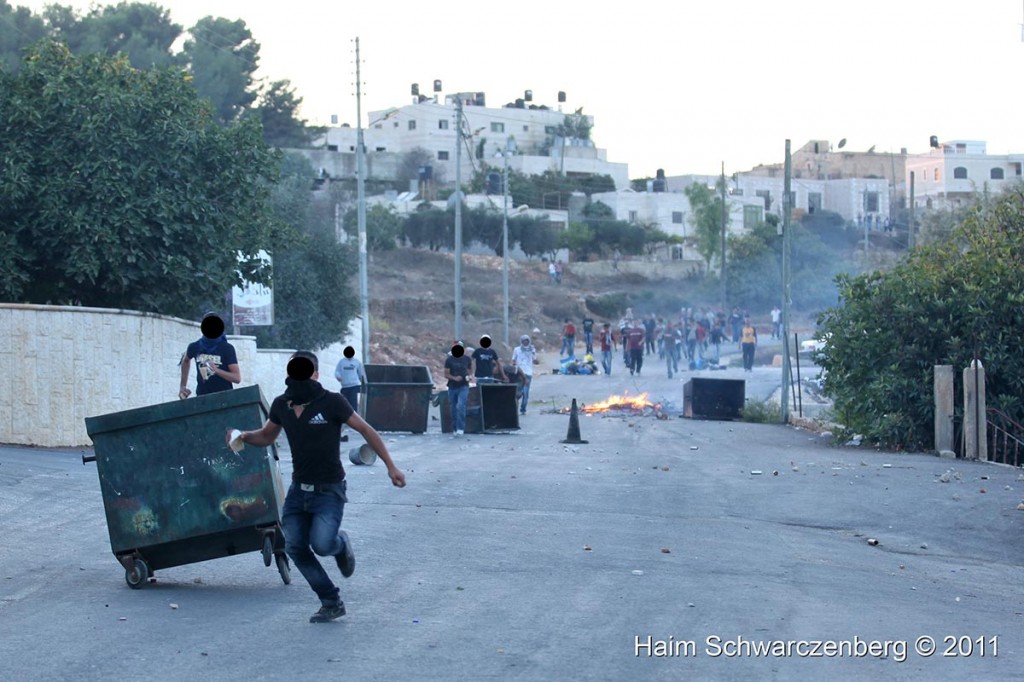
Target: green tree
{"x": 383, "y": 227}
{"x": 413, "y": 160}
{"x": 19, "y": 29}
{"x": 946, "y": 299}
{"x": 142, "y": 32}
{"x": 278, "y": 111}
{"x": 119, "y": 190}
{"x": 706, "y": 218}
{"x": 579, "y": 239}
{"x": 222, "y": 57}
{"x": 313, "y": 297}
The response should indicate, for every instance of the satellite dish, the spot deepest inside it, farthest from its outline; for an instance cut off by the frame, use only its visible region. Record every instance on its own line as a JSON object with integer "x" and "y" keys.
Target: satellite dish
{"x": 842, "y": 143}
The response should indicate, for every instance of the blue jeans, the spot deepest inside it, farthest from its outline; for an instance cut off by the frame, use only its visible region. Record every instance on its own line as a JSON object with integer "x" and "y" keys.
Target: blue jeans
{"x": 568, "y": 345}
{"x": 457, "y": 398}
{"x": 606, "y": 361}
{"x": 527, "y": 378}
{"x": 310, "y": 521}
{"x": 351, "y": 394}
{"x": 589, "y": 338}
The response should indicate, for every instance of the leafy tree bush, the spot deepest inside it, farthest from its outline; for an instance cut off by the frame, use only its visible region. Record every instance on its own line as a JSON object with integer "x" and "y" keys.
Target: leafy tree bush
{"x": 947, "y": 298}
{"x": 313, "y": 274}
{"x": 706, "y": 219}
{"x": 119, "y": 189}
{"x": 383, "y": 227}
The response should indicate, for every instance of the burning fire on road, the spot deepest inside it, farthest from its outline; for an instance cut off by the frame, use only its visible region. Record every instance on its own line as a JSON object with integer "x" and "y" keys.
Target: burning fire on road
{"x": 622, "y": 404}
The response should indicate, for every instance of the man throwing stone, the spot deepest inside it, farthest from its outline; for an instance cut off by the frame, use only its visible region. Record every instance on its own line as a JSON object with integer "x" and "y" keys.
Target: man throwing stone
{"x": 312, "y": 417}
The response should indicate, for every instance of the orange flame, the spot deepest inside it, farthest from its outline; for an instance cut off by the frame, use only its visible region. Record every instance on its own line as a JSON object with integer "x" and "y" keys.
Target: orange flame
{"x": 621, "y": 402}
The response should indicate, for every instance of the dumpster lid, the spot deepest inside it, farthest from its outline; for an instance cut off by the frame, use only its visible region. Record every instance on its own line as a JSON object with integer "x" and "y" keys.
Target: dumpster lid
{"x": 176, "y": 409}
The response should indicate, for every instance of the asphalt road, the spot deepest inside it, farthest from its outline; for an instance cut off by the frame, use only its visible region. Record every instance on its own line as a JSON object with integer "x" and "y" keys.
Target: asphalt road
{"x": 517, "y": 557}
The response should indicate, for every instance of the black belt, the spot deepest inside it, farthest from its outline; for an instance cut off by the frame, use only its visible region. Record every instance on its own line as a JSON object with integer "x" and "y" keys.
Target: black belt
{"x": 316, "y": 487}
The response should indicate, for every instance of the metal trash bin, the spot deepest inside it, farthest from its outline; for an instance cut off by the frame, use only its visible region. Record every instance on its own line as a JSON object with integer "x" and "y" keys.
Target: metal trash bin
{"x": 398, "y": 397}
{"x": 490, "y": 408}
{"x": 473, "y": 412}
{"x": 714, "y": 398}
{"x": 174, "y": 493}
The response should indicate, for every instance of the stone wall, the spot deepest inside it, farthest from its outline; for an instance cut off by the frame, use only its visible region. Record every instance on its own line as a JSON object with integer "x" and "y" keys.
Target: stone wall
{"x": 62, "y": 364}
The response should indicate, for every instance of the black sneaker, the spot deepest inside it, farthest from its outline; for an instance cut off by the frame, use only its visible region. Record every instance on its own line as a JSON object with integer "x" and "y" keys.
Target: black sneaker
{"x": 328, "y": 613}
{"x": 347, "y": 559}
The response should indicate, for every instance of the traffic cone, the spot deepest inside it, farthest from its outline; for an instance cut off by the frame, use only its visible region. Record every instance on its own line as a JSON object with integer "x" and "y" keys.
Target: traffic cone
{"x": 573, "y": 435}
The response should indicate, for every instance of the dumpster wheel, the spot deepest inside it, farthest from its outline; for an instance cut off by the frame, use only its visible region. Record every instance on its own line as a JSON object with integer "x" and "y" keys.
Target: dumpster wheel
{"x": 283, "y": 569}
{"x": 137, "y": 575}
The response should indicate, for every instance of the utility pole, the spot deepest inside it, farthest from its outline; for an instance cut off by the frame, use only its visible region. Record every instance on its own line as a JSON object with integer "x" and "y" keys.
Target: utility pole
{"x": 504, "y": 239}
{"x": 725, "y": 212}
{"x": 364, "y": 295}
{"x": 458, "y": 217}
{"x": 910, "y": 234}
{"x": 787, "y": 209}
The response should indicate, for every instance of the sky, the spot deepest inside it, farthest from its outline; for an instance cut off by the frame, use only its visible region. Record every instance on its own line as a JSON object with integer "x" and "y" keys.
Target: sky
{"x": 679, "y": 85}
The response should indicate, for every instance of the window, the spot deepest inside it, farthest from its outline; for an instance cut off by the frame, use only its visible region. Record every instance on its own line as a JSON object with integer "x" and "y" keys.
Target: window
{"x": 632, "y": 216}
{"x": 937, "y": 175}
{"x": 752, "y": 216}
{"x": 412, "y": 125}
{"x": 442, "y": 156}
{"x": 549, "y": 130}
{"x": 526, "y": 129}
{"x": 497, "y": 127}
{"x": 959, "y": 173}
{"x": 767, "y": 196}
{"x": 677, "y": 217}
{"x": 813, "y": 202}
{"x": 871, "y": 202}
{"x": 382, "y": 149}
{"x": 996, "y": 174}
{"x": 396, "y": 124}
{"x": 442, "y": 124}
{"x": 961, "y": 148}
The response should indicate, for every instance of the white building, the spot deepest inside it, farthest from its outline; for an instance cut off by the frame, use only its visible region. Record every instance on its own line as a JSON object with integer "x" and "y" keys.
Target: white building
{"x": 958, "y": 171}
{"x": 756, "y": 195}
{"x": 430, "y": 125}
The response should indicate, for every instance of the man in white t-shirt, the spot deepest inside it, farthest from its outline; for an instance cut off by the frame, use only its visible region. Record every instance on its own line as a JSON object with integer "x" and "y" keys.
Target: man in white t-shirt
{"x": 523, "y": 358}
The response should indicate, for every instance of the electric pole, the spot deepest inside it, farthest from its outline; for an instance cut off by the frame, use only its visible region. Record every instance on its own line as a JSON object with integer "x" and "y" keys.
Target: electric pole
{"x": 458, "y": 217}
{"x": 725, "y": 213}
{"x": 787, "y": 209}
{"x": 364, "y": 295}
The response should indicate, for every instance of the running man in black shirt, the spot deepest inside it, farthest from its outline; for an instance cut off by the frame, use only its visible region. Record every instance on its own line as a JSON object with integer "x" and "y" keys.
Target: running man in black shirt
{"x": 311, "y": 417}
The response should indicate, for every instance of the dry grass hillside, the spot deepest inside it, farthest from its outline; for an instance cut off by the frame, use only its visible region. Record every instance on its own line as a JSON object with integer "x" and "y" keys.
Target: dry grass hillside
{"x": 412, "y": 295}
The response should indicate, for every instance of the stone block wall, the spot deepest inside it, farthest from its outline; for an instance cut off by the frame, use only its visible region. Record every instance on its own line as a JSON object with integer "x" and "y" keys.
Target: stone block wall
{"x": 61, "y": 364}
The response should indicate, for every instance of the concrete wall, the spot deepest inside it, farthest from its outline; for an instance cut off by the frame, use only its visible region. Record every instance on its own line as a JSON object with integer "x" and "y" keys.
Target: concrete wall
{"x": 62, "y": 364}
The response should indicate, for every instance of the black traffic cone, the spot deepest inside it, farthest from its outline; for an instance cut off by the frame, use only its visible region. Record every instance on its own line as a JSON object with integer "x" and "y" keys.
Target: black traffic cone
{"x": 573, "y": 435}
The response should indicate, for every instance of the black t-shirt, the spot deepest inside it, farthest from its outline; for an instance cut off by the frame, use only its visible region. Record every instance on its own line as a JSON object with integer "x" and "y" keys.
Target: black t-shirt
{"x": 588, "y": 325}
{"x": 314, "y": 437}
{"x": 457, "y": 367}
{"x": 485, "y": 361}
{"x": 223, "y": 355}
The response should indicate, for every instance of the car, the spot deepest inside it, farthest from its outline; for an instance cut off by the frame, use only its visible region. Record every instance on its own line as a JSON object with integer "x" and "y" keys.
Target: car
{"x": 811, "y": 346}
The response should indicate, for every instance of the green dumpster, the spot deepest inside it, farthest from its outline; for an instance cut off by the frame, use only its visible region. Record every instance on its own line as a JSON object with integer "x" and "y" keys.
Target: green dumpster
{"x": 398, "y": 397}
{"x": 174, "y": 493}
{"x": 490, "y": 408}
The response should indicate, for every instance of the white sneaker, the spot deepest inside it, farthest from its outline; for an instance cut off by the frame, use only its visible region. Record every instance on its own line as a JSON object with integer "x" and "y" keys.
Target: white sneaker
{"x": 459, "y": 432}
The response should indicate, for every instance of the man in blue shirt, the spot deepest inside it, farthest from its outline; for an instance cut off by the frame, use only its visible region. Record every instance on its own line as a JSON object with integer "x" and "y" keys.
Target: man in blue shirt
{"x": 215, "y": 358}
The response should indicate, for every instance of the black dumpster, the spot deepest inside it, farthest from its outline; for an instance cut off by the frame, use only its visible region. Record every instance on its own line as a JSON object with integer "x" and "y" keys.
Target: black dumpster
{"x": 398, "y": 397}
{"x": 490, "y": 408}
{"x": 175, "y": 493}
{"x": 714, "y": 398}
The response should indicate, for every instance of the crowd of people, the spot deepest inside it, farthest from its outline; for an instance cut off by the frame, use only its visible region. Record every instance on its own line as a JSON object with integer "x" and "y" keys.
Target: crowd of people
{"x": 693, "y": 339}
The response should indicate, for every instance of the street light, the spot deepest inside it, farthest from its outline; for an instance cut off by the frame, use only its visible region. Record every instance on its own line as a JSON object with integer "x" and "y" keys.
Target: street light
{"x": 510, "y": 149}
